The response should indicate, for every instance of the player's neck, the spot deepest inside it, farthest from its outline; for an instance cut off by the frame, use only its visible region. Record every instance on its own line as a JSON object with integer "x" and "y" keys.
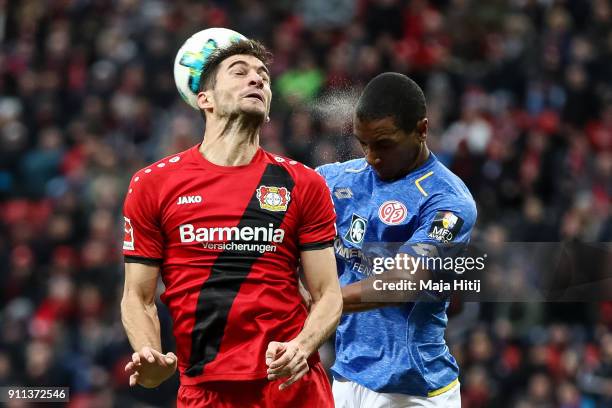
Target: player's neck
{"x": 418, "y": 162}
{"x": 230, "y": 142}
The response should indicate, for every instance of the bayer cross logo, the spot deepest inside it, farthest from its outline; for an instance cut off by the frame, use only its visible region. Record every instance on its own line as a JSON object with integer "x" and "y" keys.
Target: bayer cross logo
{"x": 392, "y": 212}
{"x": 357, "y": 230}
{"x": 273, "y": 198}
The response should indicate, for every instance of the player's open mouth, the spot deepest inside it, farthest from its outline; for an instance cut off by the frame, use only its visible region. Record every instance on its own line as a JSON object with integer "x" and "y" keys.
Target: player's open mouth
{"x": 256, "y": 96}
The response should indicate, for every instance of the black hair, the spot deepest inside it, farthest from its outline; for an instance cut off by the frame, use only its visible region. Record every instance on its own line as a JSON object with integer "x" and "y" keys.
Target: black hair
{"x": 247, "y": 47}
{"x": 392, "y": 95}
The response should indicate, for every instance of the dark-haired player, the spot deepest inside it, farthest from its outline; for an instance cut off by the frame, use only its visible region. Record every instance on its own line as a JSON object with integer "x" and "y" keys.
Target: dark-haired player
{"x": 225, "y": 223}
{"x": 394, "y": 356}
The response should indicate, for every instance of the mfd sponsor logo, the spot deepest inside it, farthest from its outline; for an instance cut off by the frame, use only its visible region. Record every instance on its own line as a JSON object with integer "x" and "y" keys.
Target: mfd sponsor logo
{"x": 190, "y": 233}
{"x": 357, "y": 229}
{"x": 192, "y": 199}
{"x": 128, "y": 238}
{"x": 445, "y": 226}
{"x": 392, "y": 212}
{"x": 273, "y": 198}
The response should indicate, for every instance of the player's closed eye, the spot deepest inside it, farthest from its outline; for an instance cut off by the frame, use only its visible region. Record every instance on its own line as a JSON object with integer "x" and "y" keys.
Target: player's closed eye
{"x": 263, "y": 74}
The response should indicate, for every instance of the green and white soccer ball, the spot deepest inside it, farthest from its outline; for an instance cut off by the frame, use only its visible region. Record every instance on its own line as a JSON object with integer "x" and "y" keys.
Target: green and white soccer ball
{"x": 192, "y": 56}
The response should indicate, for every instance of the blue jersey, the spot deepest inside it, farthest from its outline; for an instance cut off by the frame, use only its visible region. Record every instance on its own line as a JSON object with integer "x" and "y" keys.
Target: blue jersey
{"x": 396, "y": 349}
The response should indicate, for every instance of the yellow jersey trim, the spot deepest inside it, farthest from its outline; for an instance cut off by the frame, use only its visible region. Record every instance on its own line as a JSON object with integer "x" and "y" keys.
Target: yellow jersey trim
{"x": 418, "y": 181}
{"x": 442, "y": 390}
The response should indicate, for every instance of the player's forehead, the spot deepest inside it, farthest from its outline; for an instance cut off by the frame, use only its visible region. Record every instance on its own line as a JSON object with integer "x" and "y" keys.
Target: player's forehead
{"x": 375, "y": 128}
{"x": 243, "y": 60}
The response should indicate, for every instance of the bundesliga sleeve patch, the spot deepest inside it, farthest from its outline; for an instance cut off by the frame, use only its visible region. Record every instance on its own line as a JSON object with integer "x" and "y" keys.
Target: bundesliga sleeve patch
{"x": 128, "y": 238}
{"x": 445, "y": 226}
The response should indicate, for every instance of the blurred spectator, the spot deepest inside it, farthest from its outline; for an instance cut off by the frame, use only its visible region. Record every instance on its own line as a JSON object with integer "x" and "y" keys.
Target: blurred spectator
{"x": 598, "y": 383}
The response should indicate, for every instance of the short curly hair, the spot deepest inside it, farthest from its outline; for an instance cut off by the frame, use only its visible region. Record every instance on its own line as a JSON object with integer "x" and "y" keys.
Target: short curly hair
{"x": 242, "y": 47}
{"x": 391, "y": 94}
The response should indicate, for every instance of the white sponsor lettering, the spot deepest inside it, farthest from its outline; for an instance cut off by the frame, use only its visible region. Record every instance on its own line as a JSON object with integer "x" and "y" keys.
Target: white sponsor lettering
{"x": 189, "y": 233}
{"x": 441, "y": 234}
{"x": 195, "y": 199}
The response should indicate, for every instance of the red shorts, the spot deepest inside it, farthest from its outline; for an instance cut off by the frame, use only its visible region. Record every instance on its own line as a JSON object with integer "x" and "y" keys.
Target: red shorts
{"x": 312, "y": 390}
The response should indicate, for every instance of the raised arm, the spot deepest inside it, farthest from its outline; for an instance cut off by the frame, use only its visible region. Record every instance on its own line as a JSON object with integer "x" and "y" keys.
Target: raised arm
{"x": 149, "y": 367}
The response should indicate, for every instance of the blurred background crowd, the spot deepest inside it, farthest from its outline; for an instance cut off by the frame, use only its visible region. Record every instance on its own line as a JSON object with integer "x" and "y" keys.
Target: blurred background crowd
{"x": 519, "y": 106}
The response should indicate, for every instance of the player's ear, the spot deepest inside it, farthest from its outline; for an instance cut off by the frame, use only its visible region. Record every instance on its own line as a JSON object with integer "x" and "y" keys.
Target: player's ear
{"x": 421, "y": 129}
{"x": 205, "y": 100}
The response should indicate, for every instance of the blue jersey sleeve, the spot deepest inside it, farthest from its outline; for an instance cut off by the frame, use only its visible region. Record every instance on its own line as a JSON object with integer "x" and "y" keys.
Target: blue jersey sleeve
{"x": 445, "y": 220}
{"x": 444, "y": 230}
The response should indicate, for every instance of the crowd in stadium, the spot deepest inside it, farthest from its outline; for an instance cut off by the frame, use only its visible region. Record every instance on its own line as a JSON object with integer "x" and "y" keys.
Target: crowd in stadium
{"x": 519, "y": 106}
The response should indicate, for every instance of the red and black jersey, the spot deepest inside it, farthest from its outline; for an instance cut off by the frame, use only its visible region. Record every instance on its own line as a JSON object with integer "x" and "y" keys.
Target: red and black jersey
{"x": 228, "y": 241}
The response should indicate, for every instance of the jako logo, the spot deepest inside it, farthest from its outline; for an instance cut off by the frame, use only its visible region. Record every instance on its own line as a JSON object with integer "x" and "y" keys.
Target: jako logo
{"x": 189, "y": 200}
{"x": 270, "y": 234}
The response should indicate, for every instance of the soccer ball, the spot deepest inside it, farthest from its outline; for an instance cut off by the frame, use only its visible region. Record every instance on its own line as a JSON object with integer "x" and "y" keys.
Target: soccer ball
{"x": 192, "y": 56}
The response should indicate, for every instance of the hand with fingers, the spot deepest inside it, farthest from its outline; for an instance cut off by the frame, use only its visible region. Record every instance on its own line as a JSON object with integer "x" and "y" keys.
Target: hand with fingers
{"x": 286, "y": 360}
{"x": 150, "y": 368}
